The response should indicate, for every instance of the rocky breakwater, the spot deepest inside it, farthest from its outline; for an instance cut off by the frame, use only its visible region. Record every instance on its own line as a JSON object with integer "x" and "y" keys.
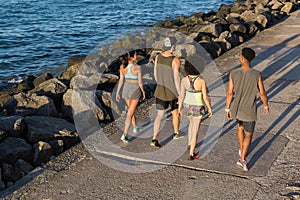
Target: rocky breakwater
{"x": 231, "y": 25}
{"x": 36, "y": 117}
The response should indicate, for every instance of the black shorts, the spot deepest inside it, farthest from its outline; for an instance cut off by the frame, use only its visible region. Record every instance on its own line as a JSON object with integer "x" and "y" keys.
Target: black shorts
{"x": 248, "y": 126}
{"x": 163, "y": 105}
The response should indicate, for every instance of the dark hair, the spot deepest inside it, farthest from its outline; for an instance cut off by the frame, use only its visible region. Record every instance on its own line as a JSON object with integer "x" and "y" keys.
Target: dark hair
{"x": 248, "y": 53}
{"x": 125, "y": 58}
{"x": 170, "y": 41}
{"x": 189, "y": 69}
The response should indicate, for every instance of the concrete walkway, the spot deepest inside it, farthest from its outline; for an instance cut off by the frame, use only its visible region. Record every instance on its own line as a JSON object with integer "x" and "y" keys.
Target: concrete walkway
{"x": 273, "y": 157}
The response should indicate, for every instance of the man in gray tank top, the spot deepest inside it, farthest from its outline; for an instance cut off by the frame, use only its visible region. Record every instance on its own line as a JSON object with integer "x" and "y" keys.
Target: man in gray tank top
{"x": 166, "y": 74}
{"x": 245, "y": 83}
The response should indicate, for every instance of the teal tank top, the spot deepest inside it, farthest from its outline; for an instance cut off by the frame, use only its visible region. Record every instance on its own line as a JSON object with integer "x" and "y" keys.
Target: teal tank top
{"x": 129, "y": 75}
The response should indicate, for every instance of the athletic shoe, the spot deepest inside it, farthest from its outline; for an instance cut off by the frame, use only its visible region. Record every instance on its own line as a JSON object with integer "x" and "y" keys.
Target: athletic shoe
{"x": 125, "y": 138}
{"x": 194, "y": 156}
{"x": 137, "y": 129}
{"x": 155, "y": 143}
{"x": 177, "y": 136}
{"x": 242, "y": 164}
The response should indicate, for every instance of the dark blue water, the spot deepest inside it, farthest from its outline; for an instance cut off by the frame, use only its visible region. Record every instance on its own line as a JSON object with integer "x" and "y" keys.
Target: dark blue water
{"x": 36, "y": 34}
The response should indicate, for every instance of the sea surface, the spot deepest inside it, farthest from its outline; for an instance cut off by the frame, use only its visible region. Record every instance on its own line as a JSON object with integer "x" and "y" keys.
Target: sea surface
{"x": 36, "y": 35}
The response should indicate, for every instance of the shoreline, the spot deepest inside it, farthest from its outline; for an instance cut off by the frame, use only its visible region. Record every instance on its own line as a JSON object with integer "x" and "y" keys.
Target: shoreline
{"x": 49, "y": 97}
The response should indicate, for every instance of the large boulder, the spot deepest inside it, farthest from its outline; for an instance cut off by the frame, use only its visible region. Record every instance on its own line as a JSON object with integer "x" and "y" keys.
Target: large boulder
{"x": 48, "y": 128}
{"x": 70, "y": 72}
{"x": 13, "y": 125}
{"x": 10, "y": 173}
{"x": 288, "y": 7}
{"x": 41, "y": 79}
{"x": 213, "y": 29}
{"x": 42, "y": 153}
{"x": 23, "y": 166}
{"x": 76, "y": 60}
{"x": 66, "y": 106}
{"x": 240, "y": 28}
{"x": 3, "y": 135}
{"x": 212, "y": 48}
{"x": 57, "y": 146}
{"x": 30, "y": 104}
{"x": 275, "y": 4}
{"x": 2, "y": 184}
{"x": 52, "y": 88}
{"x": 249, "y": 16}
{"x": 3, "y": 99}
{"x": 111, "y": 106}
{"x": 88, "y": 82}
{"x": 12, "y": 149}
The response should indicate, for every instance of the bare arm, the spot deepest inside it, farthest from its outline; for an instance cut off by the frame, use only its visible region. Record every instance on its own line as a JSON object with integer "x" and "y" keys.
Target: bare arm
{"x": 182, "y": 94}
{"x": 263, "y": 95}
{"x": 206, "y": 97}
{"x": 176, "y": 68}
{"x": 229, "y": 97}
{"x": 140, "y": 79}
{"x": 155, "y": 65}
{"x": 120, "y": 83}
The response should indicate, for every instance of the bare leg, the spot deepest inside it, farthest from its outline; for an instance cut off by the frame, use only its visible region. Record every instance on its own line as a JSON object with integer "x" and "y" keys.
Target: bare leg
{"x": 195, "y": 121}
{"x": 158, "y": 118}
{"x": 190, "y": 129}
{"x": 175, "y": 120}
{"x": 132, "y": 104}
{"x": 133, "y": 120}
{"x": 246, "y": 145}
{"x": 241, "y": 135}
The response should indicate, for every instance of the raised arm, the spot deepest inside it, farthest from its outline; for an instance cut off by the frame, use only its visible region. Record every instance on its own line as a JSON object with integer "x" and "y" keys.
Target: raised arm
{"x": 229, "y": 97}
{"x": 263, "y": 95}
{"x": 206, "y": 97}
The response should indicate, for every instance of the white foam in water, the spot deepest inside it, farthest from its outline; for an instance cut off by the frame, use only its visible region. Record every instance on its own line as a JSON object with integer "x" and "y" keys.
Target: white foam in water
{"x": 15, "y": 80}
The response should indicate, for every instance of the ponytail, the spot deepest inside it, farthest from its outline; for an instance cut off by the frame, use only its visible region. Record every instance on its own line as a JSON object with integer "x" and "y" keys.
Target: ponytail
{"x": 126, "y": 57}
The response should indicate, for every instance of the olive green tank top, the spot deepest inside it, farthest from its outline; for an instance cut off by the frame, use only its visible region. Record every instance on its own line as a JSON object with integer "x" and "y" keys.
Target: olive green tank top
{"x": 245, "y": 83}
{"x": 165, "y": 88}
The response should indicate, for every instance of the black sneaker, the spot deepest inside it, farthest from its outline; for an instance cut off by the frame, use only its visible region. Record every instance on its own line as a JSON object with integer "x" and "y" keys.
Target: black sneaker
{"x": 177, "y": 136}
{"x": 155, "y": 143}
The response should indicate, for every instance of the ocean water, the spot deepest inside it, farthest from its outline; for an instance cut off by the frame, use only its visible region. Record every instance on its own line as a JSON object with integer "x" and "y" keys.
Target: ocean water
{"x": 36, "y": 35}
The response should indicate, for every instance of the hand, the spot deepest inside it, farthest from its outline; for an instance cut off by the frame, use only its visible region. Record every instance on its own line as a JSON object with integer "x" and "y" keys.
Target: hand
{"x": 144, "y": 95}
{"x": 179, "y": 113}
{"x": 266, "y": 110}
{"x": 118, "y": 97}
{"x": 209, "y": 113}
{"x": 228, "y": 115}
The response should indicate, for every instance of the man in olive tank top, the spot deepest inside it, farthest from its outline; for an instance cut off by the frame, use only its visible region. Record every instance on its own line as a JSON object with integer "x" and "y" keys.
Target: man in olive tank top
{"x": 166, "y": 74}
{"x": 245, "y": 83}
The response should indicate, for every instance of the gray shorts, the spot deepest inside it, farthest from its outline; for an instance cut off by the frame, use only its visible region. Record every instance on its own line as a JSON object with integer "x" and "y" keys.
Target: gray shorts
{"x": 248, "y": 126}
{"x": 131, "y": 91}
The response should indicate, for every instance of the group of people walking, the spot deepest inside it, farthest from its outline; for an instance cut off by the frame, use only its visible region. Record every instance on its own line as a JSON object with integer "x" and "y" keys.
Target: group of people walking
{"x": 188, "y": 97}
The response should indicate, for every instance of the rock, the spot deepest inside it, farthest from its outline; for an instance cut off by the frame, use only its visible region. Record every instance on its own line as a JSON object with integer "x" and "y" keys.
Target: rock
{"x": 57, "y": 146}
{"x": 263, "y": 2}
{"x": 66, "y": 106}
{"x": 249, "y": 16}
{"x": 223, "y": 11}
{"x": 30, "y": 104}
{"x": 3, "y": 99}
{"x": 112, "y": 106}
{"x": 203, "y": 37}
{"x": 212, "y": 48}
{"x": 288, "y": 7}
{"x": 233, "y": 40}
{"x": 13, "y": 125}
{"x": 214, "y": 29}
{"x": 193, "y": 20}
{"x": 2, "y": 184}
{"x": 225, "y": 46}
{"x": 225, "y": 35}
{"x": 52, "y": 88}
{"x": 238, "y": 28}
{"x": 48, "y": 128}
{"x": 23, "y": 166}
{"x": 275, "y": 5}
{"x": 76, "y": 60}
{"x": 70, "y": 72}
{"x": 232, "y": 20}
{"x": 238, "y": 7}
{"x": 260, "y": 9}
{"x": 42, "y": 153}
{"x": 10, "y": 174}
{"x": 3, "y": 135}
{"x": 12, "y": 149}
{"x": 184, "y": 50}
{"x": 41, "y": 79}
{"x": 88, "y": 82}
{"x": 252, "y": 27}
{"x": 26, "y": 84}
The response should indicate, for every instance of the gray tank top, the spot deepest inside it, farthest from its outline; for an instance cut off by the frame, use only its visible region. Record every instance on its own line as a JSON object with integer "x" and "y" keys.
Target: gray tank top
{"x": 165, "y": 88}
{"x": 245, "y": 90}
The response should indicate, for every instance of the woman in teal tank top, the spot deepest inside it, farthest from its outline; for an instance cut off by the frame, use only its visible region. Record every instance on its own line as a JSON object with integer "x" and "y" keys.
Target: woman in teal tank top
{"x": 192, "y": 97}
{"x": 131, "y": 77}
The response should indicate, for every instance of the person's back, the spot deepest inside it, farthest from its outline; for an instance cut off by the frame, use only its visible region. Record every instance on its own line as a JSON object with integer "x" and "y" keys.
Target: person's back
{"x": 245, "y": 90}
{"x": 165, "y": 89}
